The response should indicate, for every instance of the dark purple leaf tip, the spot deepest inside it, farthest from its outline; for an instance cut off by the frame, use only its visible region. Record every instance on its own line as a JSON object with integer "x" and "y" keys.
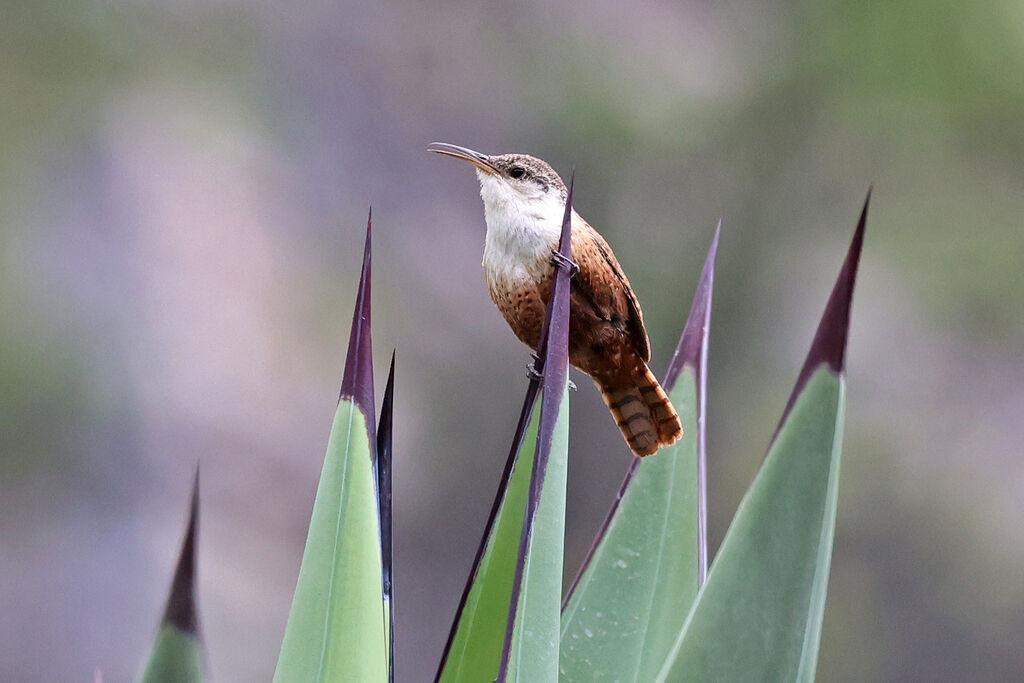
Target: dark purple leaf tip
{"x": 556, "y": 353}
{"x": 563, "y": 240}
{"x": 357, "y": 383}
{"x": 829, "y": 345}
{"x": 692, "y": 351}
{"x": 181, "y": 603}
{"x": 556, "y": 359}
{"x": 693, "y": 342}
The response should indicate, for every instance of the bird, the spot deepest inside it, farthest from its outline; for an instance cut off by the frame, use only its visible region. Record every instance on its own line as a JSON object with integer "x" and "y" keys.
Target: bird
{"x": 524, "y": 204}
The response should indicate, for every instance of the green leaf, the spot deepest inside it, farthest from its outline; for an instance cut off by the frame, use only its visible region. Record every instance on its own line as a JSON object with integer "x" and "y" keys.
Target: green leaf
{"x": 177, "y": 655}
{"x": 474, "y": 648}
{"x": 632, "y": 598}
{"x": 758, "y": 616}
{"x": 506, "y": 626}
{"x": 384, "y": 488}
{"x": 633, "y": 592}
{"x": 336, "y": 627}
{"x": 177, "y": 658}
{"x": 531, "y": 651}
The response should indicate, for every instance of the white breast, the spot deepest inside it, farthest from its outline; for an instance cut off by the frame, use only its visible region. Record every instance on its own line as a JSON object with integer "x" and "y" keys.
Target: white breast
{"x": 521, "y": 232}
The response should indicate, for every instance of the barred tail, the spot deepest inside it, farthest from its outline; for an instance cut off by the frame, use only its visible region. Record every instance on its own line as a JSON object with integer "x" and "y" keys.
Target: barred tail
{"x": 644, "y": 414}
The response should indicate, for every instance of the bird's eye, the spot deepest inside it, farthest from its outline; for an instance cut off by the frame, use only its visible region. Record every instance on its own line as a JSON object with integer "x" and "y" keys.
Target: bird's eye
{"x": 517, "y": 172}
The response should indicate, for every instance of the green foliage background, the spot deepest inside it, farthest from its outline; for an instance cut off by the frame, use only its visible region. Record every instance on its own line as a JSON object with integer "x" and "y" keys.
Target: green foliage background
{"x": 180, "y": 190}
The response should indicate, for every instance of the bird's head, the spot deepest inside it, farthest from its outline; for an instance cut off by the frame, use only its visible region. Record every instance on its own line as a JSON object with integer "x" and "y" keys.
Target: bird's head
{"x": 513, "y": 185}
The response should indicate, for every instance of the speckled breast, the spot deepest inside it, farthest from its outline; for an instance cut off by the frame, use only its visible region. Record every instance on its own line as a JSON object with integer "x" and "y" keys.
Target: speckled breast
{"x": 522, "y": 300}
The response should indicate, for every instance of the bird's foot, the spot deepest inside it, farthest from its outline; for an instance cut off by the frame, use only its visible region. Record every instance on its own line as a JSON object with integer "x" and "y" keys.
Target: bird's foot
{"x": 558, "y": 260}
{"x": 532, "y": 372}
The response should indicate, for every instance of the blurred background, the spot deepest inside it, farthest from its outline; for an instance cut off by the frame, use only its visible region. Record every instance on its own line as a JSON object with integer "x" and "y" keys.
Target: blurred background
{"x": 183, "y": 193}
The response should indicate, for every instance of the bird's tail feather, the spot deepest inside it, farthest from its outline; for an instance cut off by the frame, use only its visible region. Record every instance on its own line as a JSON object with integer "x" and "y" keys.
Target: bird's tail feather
{"x": 644, "y": 414}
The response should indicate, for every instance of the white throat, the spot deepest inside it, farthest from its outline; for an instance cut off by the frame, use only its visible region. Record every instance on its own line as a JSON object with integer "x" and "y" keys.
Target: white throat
{"x": 522, "y": 230}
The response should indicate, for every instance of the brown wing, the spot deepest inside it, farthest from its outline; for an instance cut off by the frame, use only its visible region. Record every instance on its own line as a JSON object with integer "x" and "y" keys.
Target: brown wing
{"x": 603, "y": 284}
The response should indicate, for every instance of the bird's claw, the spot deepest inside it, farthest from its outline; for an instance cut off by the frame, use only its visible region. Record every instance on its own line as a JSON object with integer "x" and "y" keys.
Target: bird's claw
{"x": 558, "y": 260}
{"x": 532, "y": 372}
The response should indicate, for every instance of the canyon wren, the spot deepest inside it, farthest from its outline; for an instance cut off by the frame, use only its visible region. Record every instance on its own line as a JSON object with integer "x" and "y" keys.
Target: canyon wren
{"x": 524, "y": 203}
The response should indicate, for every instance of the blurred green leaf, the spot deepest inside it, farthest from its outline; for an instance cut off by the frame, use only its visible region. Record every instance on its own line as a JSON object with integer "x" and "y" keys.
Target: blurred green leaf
{"x": 177, "y": 658}
{"x": 177, "y": 655}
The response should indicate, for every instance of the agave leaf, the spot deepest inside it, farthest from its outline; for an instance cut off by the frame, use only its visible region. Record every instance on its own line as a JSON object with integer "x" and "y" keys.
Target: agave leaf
{"x": 336, "y": 627}
{"x": 384, "y": 453}
{"x": 531, "y": 648}
{"x": 630, "y": 599}
{"x": 474, "y": 648}
{"x": 177, "y": 655}
{"x": 758, "y": 616}
{"x": 506, "y": 625}
{"x": 177, "y": 658}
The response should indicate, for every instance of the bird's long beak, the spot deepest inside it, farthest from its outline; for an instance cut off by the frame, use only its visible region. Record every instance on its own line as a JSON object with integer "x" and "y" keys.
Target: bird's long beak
{"x": 481, "y": 161}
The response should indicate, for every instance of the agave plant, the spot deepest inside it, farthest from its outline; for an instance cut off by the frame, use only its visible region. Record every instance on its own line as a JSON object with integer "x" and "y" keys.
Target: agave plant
{"x": 177, "y": 653}
{"x": 645, "y": 606}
